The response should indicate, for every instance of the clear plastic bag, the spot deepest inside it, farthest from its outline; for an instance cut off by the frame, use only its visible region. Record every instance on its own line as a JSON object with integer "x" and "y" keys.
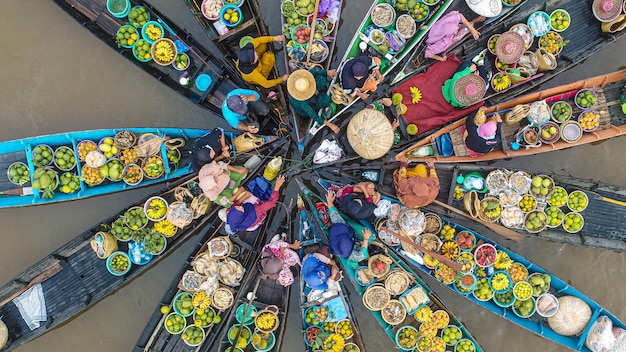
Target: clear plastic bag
{"x": 600, "y": 338}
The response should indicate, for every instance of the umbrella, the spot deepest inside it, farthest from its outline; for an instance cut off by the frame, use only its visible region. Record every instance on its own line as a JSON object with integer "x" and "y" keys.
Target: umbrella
{"x": 370, "y": 134}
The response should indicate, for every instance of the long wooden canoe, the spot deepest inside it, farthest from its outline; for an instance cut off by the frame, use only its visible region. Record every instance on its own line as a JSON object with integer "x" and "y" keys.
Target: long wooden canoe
{"x": 22, "y": 151}
{"x": 612, "y": 122}
{"x": 310, "y": 240}
{"x": 398, "y": 264}
{"x": 388, "y": 61}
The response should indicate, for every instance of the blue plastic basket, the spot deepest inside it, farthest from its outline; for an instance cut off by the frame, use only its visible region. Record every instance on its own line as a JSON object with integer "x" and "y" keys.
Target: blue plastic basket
{"x": 417, "y": 287}
{"x": 145, "y": 36}
{"x": 135, "y": 53}
{"x": 235, "y": 9}
{"x": 531, "y": 312}
{"x": 505, "y": 274}
{"x": 398, "y": 338}
{"x": 203, "y": 82}
{"x": 110, "y": 258}
{"x": 236, "y": 326}
{"x": 122, "y": 13}
{"x": 532, "y": 17}
{"x": 504, "y": 305}
{"x": 360, "y": 283}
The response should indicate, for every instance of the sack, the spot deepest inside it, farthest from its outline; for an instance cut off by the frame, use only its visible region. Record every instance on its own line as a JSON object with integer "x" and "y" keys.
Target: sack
{"x": 260, "y": 188}
{"x": 149, "y": 148}
{"x": 327, "y": 152}
{"x": 247, "y": 141}
{"x": 103, "y": 243}
{"x": 528, "y": 62}
{"x": 517, "y": 114}
{"x": 179, "y": 214}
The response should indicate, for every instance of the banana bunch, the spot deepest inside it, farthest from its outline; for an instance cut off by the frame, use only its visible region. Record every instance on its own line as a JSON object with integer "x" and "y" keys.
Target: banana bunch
{"x": 163, "y": 51}
{"x": 424, "y": 314}
{"x": 502, "y": 82}
{"x": 500, "y": 282}
{"x": 265, "y": 321}
{"x": 153, "y": 32}
{"x": 416, "y": 95}
{"x": 503, "y": 262}
{"x": 200, "y": 300}
{"x": 165, "y": 227}
{"x": 156, "y": 209}
{"x": 334, "y": 342}
{"x": 450, "y": 250}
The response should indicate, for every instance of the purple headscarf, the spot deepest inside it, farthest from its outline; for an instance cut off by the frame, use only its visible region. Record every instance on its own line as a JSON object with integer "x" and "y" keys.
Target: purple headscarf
{"x": 240, "y": 221}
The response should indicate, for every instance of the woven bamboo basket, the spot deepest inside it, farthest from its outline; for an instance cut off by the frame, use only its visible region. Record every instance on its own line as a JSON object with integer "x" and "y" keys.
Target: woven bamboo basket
{"x": 225, "y": 292}
{"x": 370, "y": 134}
{"x": 481, "y": 213}
{"x": 382, "y": 258}
{"x": 376, "y": 297}
{"x": 179, "y": 214}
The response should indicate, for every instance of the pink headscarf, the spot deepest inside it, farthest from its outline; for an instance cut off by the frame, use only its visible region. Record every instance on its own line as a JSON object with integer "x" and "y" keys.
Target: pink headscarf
{"x": 488, "y": 130}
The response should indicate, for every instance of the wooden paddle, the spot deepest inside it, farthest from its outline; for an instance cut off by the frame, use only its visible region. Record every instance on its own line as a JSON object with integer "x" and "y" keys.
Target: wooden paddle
{"x": 449, "y": 262}
{"x": 24, "y": 191}
{"x": 500, "y": 230}
{"x": 313, "y": 25}
{"x": 48, "y": 273}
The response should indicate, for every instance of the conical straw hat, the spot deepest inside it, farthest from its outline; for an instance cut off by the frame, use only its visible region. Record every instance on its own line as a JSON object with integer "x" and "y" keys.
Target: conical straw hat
{"x": 469, "y": 89}
{"x": 370, "y": 134}
{"x": 301, "y": 85}
{"x": 4, "y": 334}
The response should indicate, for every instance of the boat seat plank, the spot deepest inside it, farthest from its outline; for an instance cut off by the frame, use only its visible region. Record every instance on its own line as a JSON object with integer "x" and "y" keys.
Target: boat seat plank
{"x": 109, "y": 23}
{"x": 90, "y": 8}
{"x": 237, "y": 31}
{"x": 93, "y": 274}
{"x": 458, "y": 145}
{"x": 5, "y": 161}
{"x": 71, "y": 248}
{"x": 600, "y": 220}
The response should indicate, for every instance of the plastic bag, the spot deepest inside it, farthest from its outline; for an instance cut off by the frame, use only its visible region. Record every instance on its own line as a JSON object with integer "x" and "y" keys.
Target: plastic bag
{"x": 473, "y": 183}
{"x": 539, "y": 112}
{"x": 328, "y": 151}
{"x": 604, "y": 338}
{"x": 336, "y": 309}
{"x": 333, "y": 12}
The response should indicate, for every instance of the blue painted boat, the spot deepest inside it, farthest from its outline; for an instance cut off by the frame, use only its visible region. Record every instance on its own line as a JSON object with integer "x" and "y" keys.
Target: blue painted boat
{"x": 21, "y": 150}
{"x": 534, "y": 323}
{"x": 310, "y": 239}
{"x": 398, "y": 264}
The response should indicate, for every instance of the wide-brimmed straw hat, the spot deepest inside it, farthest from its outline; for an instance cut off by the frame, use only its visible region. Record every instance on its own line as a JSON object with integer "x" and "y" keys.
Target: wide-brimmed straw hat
{"x": 469, "y": 89}
{"x": 607, "y": 10}
{"x": 301, "y": 84}
{"x": 4, "y": 334}
{"x": 370, "y": 134}
{"x": 510, "y": 47}
{"x": 487, "y": 8}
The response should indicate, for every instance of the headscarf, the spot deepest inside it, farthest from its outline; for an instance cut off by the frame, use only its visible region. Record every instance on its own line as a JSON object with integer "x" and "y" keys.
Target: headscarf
{"x": 341, "y": 239}
{"x": 240, "y": 221}
{"x": 315, "y": 273}
{"x": 246, "y": 59}
{"x": 487, "y": 130}
{"x": 348, "y": 72}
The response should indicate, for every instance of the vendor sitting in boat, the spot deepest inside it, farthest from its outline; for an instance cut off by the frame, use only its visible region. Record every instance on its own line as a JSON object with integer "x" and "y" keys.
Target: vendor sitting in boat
{"x": 319, "y": 270}
{"x": 255, "y": 62}
{"x": 359, "y": 201}
{"x": 212, "y": 146}
{"x": 220, "y": 182}
{"x": 279, "y": 260}
{"x": 242, "y": 108}
{"x": 447, "y": 31}
{"x": 342, "y": 236}
{"x": 467, "y": 86}
{"x": 360, "y": 75}
{"x": 249, "y": 214}
{"x": 482, "y": 138}
{"x": 307, "y": 94}
{"x": 416, "y": 187}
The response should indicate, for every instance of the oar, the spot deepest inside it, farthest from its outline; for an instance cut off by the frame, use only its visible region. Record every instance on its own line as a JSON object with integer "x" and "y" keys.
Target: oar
{"x": 313, "y": 25}
{"x": 24, "y": 191}
{"x": 501, "y": 230}
{"x": 48, "y": 273}
{"x": 245, "y": 313}
{"x": 449, "y": 262}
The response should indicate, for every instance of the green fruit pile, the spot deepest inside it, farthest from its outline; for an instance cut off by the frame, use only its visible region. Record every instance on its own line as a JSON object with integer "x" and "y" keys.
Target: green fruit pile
{"x": 451, "y": 335}
{"x": 548, "y": 132}
{"x": 154, "y": 242}
{"x": 561, "y": 111}
{"x": 70, "y": 183}
{"x": 138, "y": 16}
{"x": 175, "y": 323}
{"x": 540, "y": 283}
{"x": 492, "y": 43}
{"x": 142, "y": 50}
{"x": 541, "y": 186}
{"x": 154, "y": 167}
{"x": 182, "y": 61}
{"x": 535, "y": 220}
{"x": 329, "y": 326}
{"x": 115, "y": 168}
{"x": 522, "y": 290}
{"x": 120, "y": 230}
{"x": 204, "y": 317}
{"x": 524, "y": 308}
{"x": 573, "y": 222}
{"x": 64, "y": 158}
{"x": 183, "y": 304}
{"x": 577, "y": 201}
{"x": 42, "y": 155}
{"x": 310, "y": 318}
{"x": 245, "y": 334}
{"x": 108, "y": 148}
{"x": 465, "y": 346}
{"x": 126, "y": 36}
{"x": 19, "y": 174}
{"x": 483, "y": 292}
{"x": 46, "y": 181}
{"x": 585, "y": 99}
{"x": 558, "y": 197}
{"x": 172, "y": 156}
{"x": 555, "y": 216}
{"x": 504, "y": 298}
{"x": 430, "y": 2}
{"x": 419, "y": 12}
{"x": 135, "y": 218}
{"x": 193, "y": 335}
{"x": 424, "y": 343}
{"x": 305, "y": 7}
{"x": 119, "y": 263}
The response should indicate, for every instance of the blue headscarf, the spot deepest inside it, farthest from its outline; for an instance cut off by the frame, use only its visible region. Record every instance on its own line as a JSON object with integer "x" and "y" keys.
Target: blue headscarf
{"x": 315, "y": 273}
{"x": 341, "y": 239}
{"x": 240, "y": 221}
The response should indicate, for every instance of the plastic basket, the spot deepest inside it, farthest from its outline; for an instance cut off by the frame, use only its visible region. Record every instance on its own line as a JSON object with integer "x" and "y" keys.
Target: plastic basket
{"x": 581, "y": 92}
{"x": 172, "y": 46}
{"x": 465, "y": 340}
{"x": 479, "y": 248}
{"x": 43, "y": 147}
{"x": 451, "y": 326}
{"x": 377, "y": 21}
{"x": 145, "y": 36}
{"x": 523, "y": 283}
{"x": 64, "y": 168}
{"x": 554, "y": 137}
{"x": 178, "y": 297}
{"x": 236, "y": 326}
{"x": 586, "y": 201}
{"x": 566, "y": 14}
{"x": 411, "y": 312}
{"x": 560, "y": 103}
{"x": 251, "y": 313}
{"x": 145, "y": 256}
{"x": 359, "y": 281}
{"x": 582, "y": 223}
{"x": 115, "y": 8}
{"x": 539, "y": 229}
{"x": 470, "y": 287}
{"x": 495, "y": 36}
{"x": 111, "y": 162}
{"x": 552, "y": 311}
{"x": 272, "y": 341}
{"x": 110, "y": 268}
{"x": 127, "y": 169}
{"x": 147, "y": 19}
{"x": 202, "y": 7}
{"x": 167, "y": 328}
{"x": 561, "y": 216}
{"x": 502, "y": 290}
{"x": 85, "y": 144}
{"x": 137, "y": 56}
{"x": 194, "y": 344}
{"x": 235, "y": 9}
{"x": 408, "y": 19}
{"x": 237, "y": 3}
{"x": 431, "y": 2}
{"x": 504, "y": 305}
{"x": 531, "y": 312}
{"x": 571, "y": 131}
{"x": 182, "y": 68}
{"x": 398, "y": 338}
{"x": 127, "y": 26}
{"x": 536, "y": 16}
{"x": 9, "y": 169}
{"x": 580, "y": 117}
{"x": 466, "y": 249}
{"x": 319, "y": 57}
{"x": 525, "y": 32}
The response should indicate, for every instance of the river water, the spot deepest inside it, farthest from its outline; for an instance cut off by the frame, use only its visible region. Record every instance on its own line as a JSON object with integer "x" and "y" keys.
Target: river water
{"x": 56, "y": 76}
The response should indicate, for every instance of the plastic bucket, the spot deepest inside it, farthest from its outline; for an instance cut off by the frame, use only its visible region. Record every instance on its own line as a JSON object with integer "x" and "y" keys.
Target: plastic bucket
{"x": 144, "y": 35}
{"x": 43, "y": 147}
{"x": 119, "y": 8}
{"x": 581, "y": 92}
{"x": 193, "y": 344}
{"x": 9, "y": 170}
{"x": 236, "y": 326}
{"x": 532, "y": 299}
{"x": 178, "y": 297}
{"x": 271, "y": 341}
{"x": 251, "y": 314}
{"x": 551, "y": 312}
{"x": 235, "y": 10}
{"x": 167, "y": 328}
{"x": 570, "y": 206}
{"x": 110, "y": 259}
{"x": 501, "y": 304}
{"x": 501, "y": 290}
{"x": 398, "y": 338}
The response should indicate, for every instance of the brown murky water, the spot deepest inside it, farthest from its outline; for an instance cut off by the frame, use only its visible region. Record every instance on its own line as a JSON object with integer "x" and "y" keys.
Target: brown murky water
{"x": 55, "y": 76}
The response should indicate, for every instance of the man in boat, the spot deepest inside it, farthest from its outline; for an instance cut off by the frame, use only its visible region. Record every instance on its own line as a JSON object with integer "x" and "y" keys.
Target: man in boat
{"x": 482, "y": 138}
{"x": 360, "y": 75}
{"x": 307, "y": 94}
{"x": 242, "y": 108}
{"x": 279, "y": 260}
{"x": 342, "y": 236}
{"x": 447, "y": 31}
{"x": 416, "y": 187}
{"x": 319, "y": 270}
{"x": 220, "y": 182}
{"x": 249, "y": 214}
{"x": 211, "y": 146}
{"x": 255, "y": 62}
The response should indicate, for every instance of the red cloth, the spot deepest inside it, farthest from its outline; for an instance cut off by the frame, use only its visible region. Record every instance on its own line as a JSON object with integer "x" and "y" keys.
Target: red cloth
{"x": 433, "y": 111}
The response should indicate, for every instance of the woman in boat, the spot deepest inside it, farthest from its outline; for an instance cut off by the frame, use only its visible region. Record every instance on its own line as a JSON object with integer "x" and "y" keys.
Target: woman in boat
{"x": 249, "y": 214}
{"x": 359, "y": 202}
{"x": 279, "y": 260}
{"x": 360, "y": 75}
{"x": 211, "y": 146}
{"x": 242, "y": 107}
{"x": 416, "y": 187}
{"x": 319, "y": 270}
{"x": 447, "y": 31}
{"x": 220, "y": 182}
{"x": 255, "y": 62}
{"x": 467, "y": 86}
{"x": 307, "y": 94}
{"x": 481, "y": 139}
{"x": 342, "y": 236}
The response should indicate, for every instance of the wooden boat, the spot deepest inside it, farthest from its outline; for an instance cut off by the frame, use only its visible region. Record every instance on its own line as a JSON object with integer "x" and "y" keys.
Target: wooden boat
{"x": 611, "y": 123}
{"x": 22, "y": 151}
{"x": 418, "y": 63}
{"x": 310, "y": 240}
{"x": 584, "y": 35}
{"x": 388, "y": 60}
{"x": 243, "y": 249}
{"x": 398, "y": 265}
{"x": 207, "y": 64}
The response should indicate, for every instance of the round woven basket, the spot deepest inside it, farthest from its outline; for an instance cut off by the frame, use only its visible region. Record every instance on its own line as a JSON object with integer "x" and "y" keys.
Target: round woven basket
{"x": 413, "y": 216}
{"x": 179, "y": 214}
{"x": 433, "y": 223}
{"x": 395, "y": 276}
{"x": 481, "y": 213}
{"x": 370, "y": 134}
{"x": 125, "y": 139}
{"x": 393, "y": 305}
{"x": 468, "y": 202}
{"x": 376, "y": 297}
{"x": 571, "y": 131}
{"x": 222, "y": 291}
{"x": 172, "y": 46}
{"x": 382, "y": 258}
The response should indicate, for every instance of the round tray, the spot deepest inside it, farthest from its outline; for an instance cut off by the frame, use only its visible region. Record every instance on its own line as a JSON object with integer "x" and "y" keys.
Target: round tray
{"x": 571, "y": 131}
